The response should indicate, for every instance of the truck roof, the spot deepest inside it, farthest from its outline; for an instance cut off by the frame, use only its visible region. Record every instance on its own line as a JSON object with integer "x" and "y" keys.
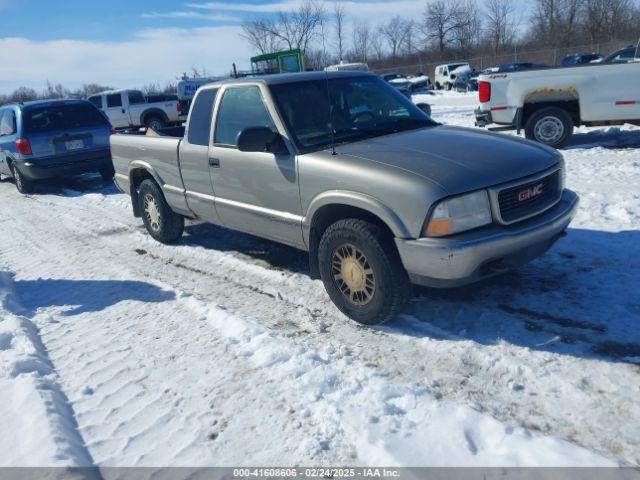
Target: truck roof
{"x": 119, "y": 90}
{"x": 281, "y": 78}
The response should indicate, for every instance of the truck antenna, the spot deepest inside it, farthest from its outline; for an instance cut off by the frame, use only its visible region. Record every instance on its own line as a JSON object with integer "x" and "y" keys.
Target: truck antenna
{"x": 326, "y": 81}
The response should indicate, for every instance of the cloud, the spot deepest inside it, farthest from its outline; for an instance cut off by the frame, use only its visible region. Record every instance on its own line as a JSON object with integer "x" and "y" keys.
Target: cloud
{"x": 371, "y": 10}
{"x": 153, "y": 56}
{"x": 190, "y": 15}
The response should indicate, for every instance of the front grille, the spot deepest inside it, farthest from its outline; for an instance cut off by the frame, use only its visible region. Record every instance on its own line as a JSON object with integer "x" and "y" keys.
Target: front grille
{"x": 517, "y": 203}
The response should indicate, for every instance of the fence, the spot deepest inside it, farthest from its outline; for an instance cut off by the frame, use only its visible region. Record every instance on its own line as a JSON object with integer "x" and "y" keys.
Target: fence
{"x": 549, "y": 56}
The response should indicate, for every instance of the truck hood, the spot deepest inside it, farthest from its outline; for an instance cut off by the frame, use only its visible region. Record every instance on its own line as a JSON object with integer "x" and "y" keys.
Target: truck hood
{"x": 458, "y": 159}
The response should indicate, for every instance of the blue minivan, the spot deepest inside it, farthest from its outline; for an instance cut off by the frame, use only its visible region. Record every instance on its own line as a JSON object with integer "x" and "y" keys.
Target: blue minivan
{"x": 53, "y": 138}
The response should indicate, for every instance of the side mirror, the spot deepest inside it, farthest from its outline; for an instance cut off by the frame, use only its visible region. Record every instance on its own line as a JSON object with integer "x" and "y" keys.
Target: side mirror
{"x": 260, "y": 139}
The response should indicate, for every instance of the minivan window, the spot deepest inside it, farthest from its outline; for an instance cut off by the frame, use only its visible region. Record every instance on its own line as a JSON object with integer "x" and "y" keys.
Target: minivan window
{"x": 7, "y": 122}
{"x": 61, "y": 117}
{"x": 201, "y": 117}
{"x": 97, "y": 101}
{"x": 114, "y": 100}
{"x": 240, "y": 108}
{"x": 136, "y": 97}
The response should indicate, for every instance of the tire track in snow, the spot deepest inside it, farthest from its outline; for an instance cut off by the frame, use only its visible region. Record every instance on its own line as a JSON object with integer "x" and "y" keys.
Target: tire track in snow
{"x": 446, "y": 364}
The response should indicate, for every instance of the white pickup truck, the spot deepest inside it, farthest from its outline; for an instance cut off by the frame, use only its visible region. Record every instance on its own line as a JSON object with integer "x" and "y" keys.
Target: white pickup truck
{"x": 130, "y": 109}
{"x": 549, "y": 103}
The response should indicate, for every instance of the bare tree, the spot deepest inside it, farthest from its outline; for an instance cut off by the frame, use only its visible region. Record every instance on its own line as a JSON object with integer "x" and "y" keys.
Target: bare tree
{"x": 376, "y": 44}
{"x": 338, "y": 22}
{"x": 500, "y": 23}
{"x": 440, "y": 20}
{"x": 395, "y": 32}
{"x": 259, "y": 33}
{"x": 290, "y": 29}
{"x": 361, "y": 41}
{"x": 555, "y": 22}
{"x": 467, "y": 27}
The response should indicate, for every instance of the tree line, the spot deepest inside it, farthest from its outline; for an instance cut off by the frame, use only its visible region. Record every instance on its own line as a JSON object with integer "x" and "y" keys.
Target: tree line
{"x": 52, "y": 92}
{"x": 447, "y": 29}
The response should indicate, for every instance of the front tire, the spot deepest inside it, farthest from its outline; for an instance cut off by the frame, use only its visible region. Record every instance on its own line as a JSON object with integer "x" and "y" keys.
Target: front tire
{"x": 161, "y": 222}
{"x": 362, "y": 272}
{"x": 23, "y": 185}
{"x": 551, "y": 126}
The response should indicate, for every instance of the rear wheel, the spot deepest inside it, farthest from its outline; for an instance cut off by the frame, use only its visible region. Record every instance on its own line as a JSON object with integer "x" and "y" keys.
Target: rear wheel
{"x": 551, "y": 126}
{"x": 23, "y": 185}
{"x": 362, "y": 271}
{"x": 161, "y": 222}
{"x": 155, "y": 123}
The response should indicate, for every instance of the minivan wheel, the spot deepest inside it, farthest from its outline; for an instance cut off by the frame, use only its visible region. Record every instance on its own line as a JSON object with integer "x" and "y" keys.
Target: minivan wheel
{"x": 551, "y": 126}
{"x": 161, "y": 222}
{"x": 362, "y": 271}
{"x": 155, "y": 123}
{"x": 23, "y": 185}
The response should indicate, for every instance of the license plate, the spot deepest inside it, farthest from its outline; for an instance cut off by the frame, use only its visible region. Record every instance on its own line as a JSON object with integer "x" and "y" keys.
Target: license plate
{"x": 74, "y": 144}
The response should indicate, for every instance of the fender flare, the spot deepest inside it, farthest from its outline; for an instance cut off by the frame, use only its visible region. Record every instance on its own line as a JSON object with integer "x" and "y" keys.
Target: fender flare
{"x": 358, "y": 200}
{"x": 153, "y": 112}
{"x": 138, "y": 165}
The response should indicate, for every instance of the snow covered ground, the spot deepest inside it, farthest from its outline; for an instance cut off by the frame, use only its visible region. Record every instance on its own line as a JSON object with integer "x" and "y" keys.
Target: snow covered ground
{"x": 116, "y": 350}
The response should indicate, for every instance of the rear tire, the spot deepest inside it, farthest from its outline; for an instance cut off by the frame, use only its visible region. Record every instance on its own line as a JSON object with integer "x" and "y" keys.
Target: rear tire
{"x": 155, "y": 122}
{"x": 161, "y": 222}
{"x": 551, "y": 126}
{"x": 362, "y": 272}
{"x": 23, "y": 185}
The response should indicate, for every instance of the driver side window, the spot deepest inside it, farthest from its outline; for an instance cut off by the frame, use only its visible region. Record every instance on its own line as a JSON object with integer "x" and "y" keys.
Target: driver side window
{"x": 240, "y": 108}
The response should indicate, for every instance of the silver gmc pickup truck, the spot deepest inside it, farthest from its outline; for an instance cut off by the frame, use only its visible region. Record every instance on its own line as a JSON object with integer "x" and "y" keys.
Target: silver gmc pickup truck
{"x": 345, "y": 167}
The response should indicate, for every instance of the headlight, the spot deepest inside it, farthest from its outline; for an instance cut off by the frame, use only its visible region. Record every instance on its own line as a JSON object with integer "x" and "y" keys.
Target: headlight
{"x": 458, "y": 214}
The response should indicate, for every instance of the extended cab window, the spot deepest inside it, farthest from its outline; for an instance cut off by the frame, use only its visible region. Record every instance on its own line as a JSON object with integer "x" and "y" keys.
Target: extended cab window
{"x": 136, "y": 97}
{"x": 7, "y": 122}
{"x": 201, "y": 117}
{"x": 114, "y": 100}
{"x": 240, "y": 108}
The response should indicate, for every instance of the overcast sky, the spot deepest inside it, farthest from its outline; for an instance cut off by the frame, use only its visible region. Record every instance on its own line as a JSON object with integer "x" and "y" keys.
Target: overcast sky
{"x": 127, "y": 43}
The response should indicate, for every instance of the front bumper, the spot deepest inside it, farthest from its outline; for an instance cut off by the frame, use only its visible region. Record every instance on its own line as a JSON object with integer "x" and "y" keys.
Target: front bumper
{"x": 488, "y": 251}
{"x": 64, "y": 166}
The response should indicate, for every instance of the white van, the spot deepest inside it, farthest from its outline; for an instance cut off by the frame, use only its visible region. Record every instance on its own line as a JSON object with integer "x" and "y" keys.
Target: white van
{"x": 443, "y": 76}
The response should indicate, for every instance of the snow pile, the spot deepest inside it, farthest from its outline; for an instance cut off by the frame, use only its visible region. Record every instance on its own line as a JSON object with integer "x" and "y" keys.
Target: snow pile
{"x": 37, "y": 424}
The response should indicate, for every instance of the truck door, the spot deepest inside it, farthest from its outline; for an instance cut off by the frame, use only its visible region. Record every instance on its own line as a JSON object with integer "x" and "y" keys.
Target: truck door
{"x": 254, "y": 192}
{"x": 116, "y": 111}
{"x": 194, "y": 156}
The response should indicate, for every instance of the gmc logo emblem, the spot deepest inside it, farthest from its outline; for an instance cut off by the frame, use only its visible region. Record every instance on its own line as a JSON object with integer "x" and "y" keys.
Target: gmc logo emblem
{"x": 530, "y": 192}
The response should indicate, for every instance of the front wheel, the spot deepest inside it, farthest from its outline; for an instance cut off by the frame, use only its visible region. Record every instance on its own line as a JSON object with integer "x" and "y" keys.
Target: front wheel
{"x": 551, "y": 126}
{"x": 161, "y": 222}
{"x": 362, "y": 271}
{"x": 23, "y": 185}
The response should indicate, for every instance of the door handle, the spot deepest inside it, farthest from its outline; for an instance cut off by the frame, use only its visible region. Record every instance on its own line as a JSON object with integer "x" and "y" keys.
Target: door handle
{"x": 214, "y": 162}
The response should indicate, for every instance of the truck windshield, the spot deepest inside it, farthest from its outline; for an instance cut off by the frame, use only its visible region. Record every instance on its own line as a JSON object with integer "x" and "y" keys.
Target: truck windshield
{"x": 357, "y": 108}
{"x": 61, "y": 117}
